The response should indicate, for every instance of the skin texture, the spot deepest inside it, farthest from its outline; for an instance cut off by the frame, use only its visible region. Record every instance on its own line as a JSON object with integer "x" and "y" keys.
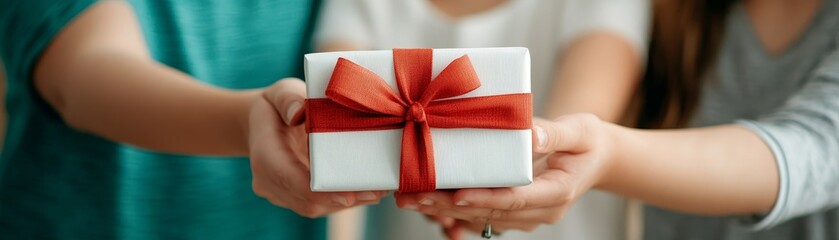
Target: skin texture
{"x": 585, "y": 152}
{"x": 596, "y": 73}
{"x": 98, "y": 75}
{"x": 719, "y": 170}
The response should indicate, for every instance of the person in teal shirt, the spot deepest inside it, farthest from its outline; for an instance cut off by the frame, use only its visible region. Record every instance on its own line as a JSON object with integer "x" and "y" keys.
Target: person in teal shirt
{"x": 131, "y": 120}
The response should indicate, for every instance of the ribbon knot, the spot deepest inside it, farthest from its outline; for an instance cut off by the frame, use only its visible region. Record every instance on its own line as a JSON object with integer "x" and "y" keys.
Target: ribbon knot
{"x": 359, "y": 100}
{"x": 415, "y": 113}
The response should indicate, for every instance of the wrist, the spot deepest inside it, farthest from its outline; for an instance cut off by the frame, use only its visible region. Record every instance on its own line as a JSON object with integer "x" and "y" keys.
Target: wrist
{"x": 614, "y": 142}
{"x": 247, "y": 101}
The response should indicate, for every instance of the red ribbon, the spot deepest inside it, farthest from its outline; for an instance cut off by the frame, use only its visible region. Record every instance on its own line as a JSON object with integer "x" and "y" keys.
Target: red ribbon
{"x": 359, "y": 100}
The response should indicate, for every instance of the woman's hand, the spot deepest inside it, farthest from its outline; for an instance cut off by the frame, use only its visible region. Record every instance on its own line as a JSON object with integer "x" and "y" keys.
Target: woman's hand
{"x": 280, "y": 157}
{"x": 577, "y": 149}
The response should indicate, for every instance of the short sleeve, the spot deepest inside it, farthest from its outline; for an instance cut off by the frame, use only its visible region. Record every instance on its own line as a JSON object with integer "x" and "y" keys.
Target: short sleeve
{"x": 804, "y": 138}
{"x": 627, "y": 18}
{"x": 343, "y": 21}
{"x": 27, "y": 27}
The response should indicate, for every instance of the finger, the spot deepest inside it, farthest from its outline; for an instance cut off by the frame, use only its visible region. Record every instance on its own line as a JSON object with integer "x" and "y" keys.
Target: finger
{"x": 406, "y": 201}
{"x": 549, "y": 189}
{"x": 286, "y": 174}
{"x": 474, "y": 227}
{"x": 366, "y": 196}
{"x": 447, "y": 222}
{"x": 436, "y": 198}
{"x": 295, "y": 179}
{"x": 287, "y": 96}
{"x": 345, "y": 199}
{"x": 302, "y": 148}
{"x": 411, "y": 201}
{"x": 363, "y": 197}
{"x": 455, "y": 232}
{"x": 538, "y": 215}
{"x": 539, "y": 164}
{"x": 282, "y": 197}
{"x": 312, "y": 209}
{"x": 566, "y": 134}
{"x": 296, "y": 142}
{"x": 467, "y": 215}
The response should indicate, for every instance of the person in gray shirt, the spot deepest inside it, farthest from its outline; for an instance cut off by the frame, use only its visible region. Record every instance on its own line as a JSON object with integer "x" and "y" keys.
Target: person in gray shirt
{"x": 756, "y": 82}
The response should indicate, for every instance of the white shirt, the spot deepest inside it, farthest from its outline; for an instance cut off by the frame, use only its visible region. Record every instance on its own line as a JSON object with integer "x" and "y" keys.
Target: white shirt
{"x": 543, "y": 26}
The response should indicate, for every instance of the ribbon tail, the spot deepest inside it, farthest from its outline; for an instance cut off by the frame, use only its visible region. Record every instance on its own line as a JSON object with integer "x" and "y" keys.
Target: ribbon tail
{"x": 417, "y": 172}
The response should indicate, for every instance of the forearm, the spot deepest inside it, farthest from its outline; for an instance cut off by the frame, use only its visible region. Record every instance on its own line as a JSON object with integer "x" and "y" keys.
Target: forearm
{"x": 716, "y": 170}
{"x": 152, "y": 106}
{"x": 596, "y": 73}
{"x": 98, "y": 75}
{"x": 339, "y": 46}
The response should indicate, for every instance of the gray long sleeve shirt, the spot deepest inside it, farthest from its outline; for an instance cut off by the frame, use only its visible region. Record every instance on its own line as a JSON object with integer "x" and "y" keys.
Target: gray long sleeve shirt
{"x": 791, "y": 100}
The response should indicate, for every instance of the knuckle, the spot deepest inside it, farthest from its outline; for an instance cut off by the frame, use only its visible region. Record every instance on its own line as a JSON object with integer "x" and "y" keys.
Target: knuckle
{"x": 318, "y": 198}
{"x": 588, "y": 118}
{"x": 430, "y": 210}
{"x": 286, "y": 83}
{"x": 498, "y": 214}
{"x": 258, "y": 189}
{"x": 565, "y": 199}
{"x": 551, "y": 219}
{"x": 311, "y": 211}
{"x": 518, "y": 204}
{"x": 275, "y": 202}
{"x": 280, "y": 179}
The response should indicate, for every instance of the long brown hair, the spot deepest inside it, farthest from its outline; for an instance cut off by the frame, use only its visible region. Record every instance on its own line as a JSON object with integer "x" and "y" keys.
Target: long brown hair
{"x": 686, "y": 37}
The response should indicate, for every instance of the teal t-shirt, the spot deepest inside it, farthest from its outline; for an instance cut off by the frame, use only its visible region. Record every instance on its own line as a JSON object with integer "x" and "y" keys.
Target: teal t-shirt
{"x": 56, "y": 182}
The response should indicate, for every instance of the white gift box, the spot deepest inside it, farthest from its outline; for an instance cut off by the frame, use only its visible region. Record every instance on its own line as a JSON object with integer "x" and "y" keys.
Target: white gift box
{"x": 463, "y": 157}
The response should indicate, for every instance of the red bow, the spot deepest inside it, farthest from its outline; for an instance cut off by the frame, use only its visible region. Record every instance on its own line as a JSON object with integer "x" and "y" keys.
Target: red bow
{"x": 359, "y": 100}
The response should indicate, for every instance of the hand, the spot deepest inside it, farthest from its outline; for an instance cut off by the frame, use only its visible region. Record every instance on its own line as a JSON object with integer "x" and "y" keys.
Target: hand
{"x": 279, "y": 154}
{"x": 578, "y": 157}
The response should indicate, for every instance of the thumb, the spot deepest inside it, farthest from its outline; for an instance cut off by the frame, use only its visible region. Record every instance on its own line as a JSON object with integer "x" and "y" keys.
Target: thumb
{"x": 561, "y": 135}
{"x": 288, "y": 96}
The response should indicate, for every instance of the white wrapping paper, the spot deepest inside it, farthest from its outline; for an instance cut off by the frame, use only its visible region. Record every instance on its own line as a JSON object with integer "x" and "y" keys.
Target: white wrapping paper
{"x": 464, "y": 158}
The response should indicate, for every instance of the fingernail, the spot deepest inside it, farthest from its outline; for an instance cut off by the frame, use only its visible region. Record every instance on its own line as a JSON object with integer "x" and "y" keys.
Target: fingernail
{"x": 462, "y": 203}
{"x": 366, "y": 196}
{"x": 541, "y": 136}
{"x": 410, "y": 206}
{"x": 427, "y": 202}
{"x": 341, "y": 200}
{"x": 292, "y": 109}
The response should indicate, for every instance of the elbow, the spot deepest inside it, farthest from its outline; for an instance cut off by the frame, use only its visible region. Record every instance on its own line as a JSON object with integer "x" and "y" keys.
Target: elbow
{"x": 73, "y": 117}
{"x": 71, "y": 111}
{"x": 63, "y": 100}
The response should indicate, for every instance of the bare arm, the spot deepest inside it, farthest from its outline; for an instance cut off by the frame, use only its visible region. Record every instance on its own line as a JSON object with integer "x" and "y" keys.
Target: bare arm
{"x": 713, "y": 171}
{"x": 100, "y": 78}
{"x": 596, "y": 73}
{"x": 716, "y": 170}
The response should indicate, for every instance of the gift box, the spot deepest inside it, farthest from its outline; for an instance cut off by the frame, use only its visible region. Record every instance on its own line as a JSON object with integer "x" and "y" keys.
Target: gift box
{"x": 419, "y": 119}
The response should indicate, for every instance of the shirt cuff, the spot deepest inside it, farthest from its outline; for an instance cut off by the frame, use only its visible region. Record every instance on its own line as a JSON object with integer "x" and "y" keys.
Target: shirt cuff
{"x": 773, "y": 217}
